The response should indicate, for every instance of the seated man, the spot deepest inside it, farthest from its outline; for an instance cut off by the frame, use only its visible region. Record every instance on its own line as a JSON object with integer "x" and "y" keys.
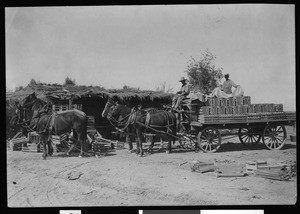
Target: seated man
{"x": 182, "y": 93}
{"x": 225, "y": 89}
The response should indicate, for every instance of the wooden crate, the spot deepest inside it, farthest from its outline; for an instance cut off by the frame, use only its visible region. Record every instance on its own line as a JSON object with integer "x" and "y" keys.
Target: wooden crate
{"x": 229, "y": 110}
{"x": 236, "y": 101}
{"x": 212, "y": 101}
{"x": 221, "y": 101}
{"x": 16, "y": 143}
{"x": 235, "y": 109}
{"x": 229, "y": 101}
{"x": 242, "y": 109}
{"x": 33, "y": 147}
{"x": 207, "y": 110}
{"x": 246, "y": 100}
{"x": 100, "y": 147}
{"x": 221, "y": 109}
{"x": 265, "y": 108}
{"x": 251, "y": 166}
{"x": 250, "y": 108}
{"x": 257, "y": 108}
{"x": 278, "y": 107}
{"x": 214, "y": 110}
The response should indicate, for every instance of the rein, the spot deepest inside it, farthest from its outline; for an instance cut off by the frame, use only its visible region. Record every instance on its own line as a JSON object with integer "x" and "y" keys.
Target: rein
{"x": 38, "y": 115}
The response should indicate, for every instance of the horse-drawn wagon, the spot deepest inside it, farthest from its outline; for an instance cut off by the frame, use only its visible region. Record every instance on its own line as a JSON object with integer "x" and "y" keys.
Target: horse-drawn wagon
{"x": 203, "y": 122}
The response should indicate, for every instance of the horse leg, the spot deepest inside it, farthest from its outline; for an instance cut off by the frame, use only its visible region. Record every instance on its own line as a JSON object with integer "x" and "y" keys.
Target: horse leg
{"x": 141, "y": 144}
{"x": 161, "y": 144}
{"x": 44, "y": 141}
{"x": 128, "y": 140}
{"x": 169, "y": 147}
{"x": 81, "y": 145}
{"x": 138, "y": 142}
{"x": 50, "y": 147}
{"x": 150, "y": 149}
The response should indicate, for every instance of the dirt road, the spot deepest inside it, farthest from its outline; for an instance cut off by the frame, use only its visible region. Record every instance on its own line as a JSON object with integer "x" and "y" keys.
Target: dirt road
{"x": 125, "y": 179}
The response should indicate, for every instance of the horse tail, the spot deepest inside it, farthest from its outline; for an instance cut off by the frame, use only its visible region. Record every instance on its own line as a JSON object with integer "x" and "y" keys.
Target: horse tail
{"x": 84, "y": 131}
{"x": 174, "y": 128}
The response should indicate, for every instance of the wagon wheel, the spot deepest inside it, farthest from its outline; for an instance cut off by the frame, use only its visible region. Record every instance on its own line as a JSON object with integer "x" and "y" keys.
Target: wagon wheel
{"x": 209, "y": 140}
{"x": 249, "y": 136}
{"x": 274, "y": 136}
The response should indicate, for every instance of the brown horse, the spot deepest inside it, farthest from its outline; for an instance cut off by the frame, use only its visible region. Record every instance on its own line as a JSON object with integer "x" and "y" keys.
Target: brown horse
{"x": 138, "y": 122}
{"x": 36, "y": 115}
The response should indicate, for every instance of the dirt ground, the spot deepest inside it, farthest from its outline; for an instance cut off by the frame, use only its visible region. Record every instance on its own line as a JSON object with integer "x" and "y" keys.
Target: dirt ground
{"x": 125, "y": 179}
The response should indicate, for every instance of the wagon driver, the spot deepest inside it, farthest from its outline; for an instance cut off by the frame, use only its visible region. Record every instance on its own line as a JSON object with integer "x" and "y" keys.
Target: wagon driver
{"x": 182, "y": 93}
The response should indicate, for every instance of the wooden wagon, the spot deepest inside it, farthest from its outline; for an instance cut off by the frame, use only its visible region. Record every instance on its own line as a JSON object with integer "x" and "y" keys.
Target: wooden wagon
{"x": 206, "y": 123}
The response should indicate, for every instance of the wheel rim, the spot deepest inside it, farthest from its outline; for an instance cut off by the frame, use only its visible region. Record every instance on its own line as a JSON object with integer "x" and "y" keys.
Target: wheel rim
{"x": 274, "y": 136}
{"x": 209, "y": 140}
{"x": 248, "y": 136}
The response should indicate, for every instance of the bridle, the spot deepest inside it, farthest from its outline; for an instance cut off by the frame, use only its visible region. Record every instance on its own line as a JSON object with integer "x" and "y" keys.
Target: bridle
{"x": 125, "y": 121}
{"x": 26, "y": 123}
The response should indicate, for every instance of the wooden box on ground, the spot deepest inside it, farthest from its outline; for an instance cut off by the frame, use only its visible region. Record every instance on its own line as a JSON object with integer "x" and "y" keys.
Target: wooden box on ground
{"x": 251, "y": 166}
{"x": 16, "y": 142}
{"x": 276, "y": 172}
{"x": 203, "y": 167}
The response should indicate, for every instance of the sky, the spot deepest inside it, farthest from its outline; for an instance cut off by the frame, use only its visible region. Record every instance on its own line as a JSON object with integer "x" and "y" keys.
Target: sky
{"x": 148, "y": 46}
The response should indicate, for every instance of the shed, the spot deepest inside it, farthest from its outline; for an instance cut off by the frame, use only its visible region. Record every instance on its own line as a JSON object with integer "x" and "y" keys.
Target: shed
{"x": 91, "y": 99}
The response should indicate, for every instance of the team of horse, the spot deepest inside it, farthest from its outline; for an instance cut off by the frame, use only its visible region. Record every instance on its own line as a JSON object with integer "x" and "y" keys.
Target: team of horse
{"x": 34, "y": 114}
{"x": 137, "y": 122}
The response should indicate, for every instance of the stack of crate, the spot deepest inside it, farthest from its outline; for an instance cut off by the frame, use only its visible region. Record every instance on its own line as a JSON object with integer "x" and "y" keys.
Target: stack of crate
{"x": 237, "y": 106}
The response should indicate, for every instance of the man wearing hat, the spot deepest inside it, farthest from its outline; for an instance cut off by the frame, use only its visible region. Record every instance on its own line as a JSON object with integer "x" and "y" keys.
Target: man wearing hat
{"x": 228, "y": 84}
{"x": 182, "y": 93}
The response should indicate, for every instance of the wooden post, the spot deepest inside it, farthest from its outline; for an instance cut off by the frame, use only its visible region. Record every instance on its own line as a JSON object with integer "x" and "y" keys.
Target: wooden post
{"x": 70, "y": 102}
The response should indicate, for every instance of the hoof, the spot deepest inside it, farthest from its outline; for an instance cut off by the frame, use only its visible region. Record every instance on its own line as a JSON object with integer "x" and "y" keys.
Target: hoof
{"x": 168, "y": 152}
{"x": 80, "y": 156}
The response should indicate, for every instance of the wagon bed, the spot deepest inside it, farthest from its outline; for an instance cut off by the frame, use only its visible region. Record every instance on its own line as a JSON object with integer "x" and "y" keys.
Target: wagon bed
{"x": 252, "y": 127}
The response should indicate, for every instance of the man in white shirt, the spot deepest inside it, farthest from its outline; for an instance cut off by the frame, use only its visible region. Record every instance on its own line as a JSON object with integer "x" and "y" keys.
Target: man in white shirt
{"x": 228, "y": 84}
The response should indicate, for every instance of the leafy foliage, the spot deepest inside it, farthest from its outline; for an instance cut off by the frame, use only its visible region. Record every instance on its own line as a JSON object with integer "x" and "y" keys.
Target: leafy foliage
{"x": 19, "y": 88}
{"x": 203, "y": 74}
{"x": 33, "y": 82}
{"x": 69, "y": 81}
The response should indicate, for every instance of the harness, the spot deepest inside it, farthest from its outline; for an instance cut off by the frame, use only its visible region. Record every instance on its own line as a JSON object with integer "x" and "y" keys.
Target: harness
{"x": 38, "y": 116}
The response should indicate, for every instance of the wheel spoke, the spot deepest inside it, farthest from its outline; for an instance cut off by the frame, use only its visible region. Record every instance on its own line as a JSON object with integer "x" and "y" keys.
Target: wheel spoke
{"x": 247, "y": 139}
{"x": 206, "y": 146}
{"x": 204, "y": 134}
{"x": 243, "y": 136}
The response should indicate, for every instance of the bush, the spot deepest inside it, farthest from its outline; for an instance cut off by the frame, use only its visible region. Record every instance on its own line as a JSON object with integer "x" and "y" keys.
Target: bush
{"x": 69, "y": 81}
{"x": 203, "y": 74}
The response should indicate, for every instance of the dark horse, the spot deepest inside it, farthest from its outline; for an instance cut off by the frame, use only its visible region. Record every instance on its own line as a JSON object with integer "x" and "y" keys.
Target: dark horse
{"x": 119, "y": 119}
{"x": 138, "y": 122}
{"x": 36, "y": 115}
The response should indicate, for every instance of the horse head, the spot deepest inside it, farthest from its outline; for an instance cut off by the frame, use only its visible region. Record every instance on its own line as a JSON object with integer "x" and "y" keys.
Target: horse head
{"x": 110, "y": 103}
{"x": 28, "y": 108}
